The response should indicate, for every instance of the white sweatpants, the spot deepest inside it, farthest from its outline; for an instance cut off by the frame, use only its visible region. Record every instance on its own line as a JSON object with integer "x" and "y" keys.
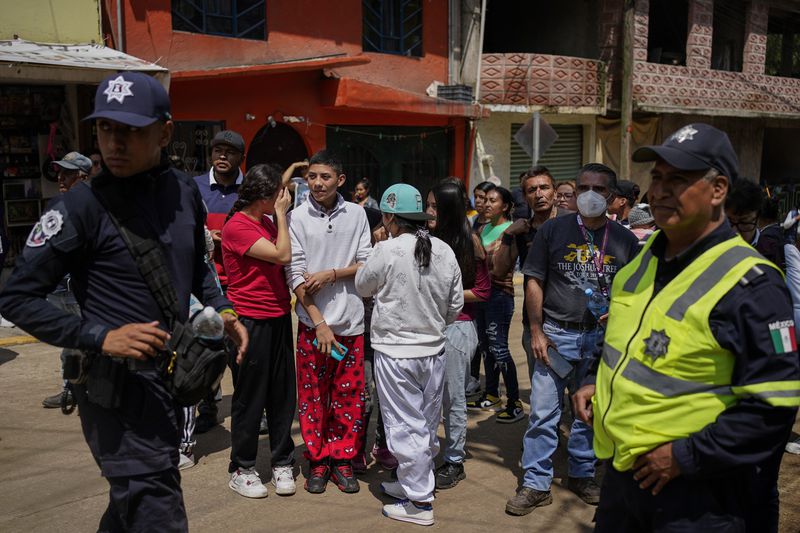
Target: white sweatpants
{"x": 410, "y": 392}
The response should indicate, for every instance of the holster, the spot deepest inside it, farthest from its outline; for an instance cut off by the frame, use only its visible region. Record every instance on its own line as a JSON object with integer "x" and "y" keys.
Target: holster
{"x": 76, "y": 366}
{"x": 105, "y": 384}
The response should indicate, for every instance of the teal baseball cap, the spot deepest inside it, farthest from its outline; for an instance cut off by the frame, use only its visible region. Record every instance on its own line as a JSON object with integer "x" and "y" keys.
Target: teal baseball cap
{"x": 405, "y": 201}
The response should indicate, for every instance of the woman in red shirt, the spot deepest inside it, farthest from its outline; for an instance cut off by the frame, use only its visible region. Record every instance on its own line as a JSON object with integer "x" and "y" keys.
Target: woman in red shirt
{"x": 254, "y": 250}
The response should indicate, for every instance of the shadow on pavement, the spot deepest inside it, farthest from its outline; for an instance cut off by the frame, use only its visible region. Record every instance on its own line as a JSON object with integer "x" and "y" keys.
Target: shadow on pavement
{"x": 7, "y": 355}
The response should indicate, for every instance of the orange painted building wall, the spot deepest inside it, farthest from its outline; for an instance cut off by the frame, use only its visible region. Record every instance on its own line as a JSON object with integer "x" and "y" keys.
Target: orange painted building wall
{"x": 296, "y": 29}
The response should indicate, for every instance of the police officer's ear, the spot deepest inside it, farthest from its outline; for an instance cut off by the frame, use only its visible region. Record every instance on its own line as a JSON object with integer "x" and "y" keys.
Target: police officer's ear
{"x": 165, "y": 135}
{"x": 719, "y": 190}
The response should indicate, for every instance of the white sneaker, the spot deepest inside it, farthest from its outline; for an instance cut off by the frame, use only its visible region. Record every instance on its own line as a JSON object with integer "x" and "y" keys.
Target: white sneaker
{"x": 186, "y": 461}
{"x": 405, "y": 511}
{"x": 393, "y": 489}
{"x": 246, "y": 482}
{"x": 793, "y": 447}
{"x": 283, "y": 479}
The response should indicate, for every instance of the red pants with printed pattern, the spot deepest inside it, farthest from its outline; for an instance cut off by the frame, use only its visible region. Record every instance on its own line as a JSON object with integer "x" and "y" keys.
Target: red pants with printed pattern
{"x": 330, "y": 397}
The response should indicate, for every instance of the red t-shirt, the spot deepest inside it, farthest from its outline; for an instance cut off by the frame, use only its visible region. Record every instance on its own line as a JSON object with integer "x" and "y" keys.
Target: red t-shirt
{"x": 256, "y": 288}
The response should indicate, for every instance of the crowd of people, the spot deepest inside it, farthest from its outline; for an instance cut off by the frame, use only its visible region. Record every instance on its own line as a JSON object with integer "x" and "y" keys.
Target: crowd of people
{"x": 671, "y": 333}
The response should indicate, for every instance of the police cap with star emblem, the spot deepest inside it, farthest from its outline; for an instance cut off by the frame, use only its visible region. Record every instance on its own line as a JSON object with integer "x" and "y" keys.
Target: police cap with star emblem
{"x": 131, "y": 98}
{"x": 694, "y": 147}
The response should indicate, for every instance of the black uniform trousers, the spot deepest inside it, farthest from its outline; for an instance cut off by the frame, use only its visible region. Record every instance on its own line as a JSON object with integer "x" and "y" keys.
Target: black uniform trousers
{"x": 683, "y": 506}
{"x": 136, "y": 448}
{"x": 266, "y": 380}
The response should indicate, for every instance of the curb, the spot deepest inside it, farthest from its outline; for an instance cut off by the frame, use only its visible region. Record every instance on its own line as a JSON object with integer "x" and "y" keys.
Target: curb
{"x": 17, "y": 340}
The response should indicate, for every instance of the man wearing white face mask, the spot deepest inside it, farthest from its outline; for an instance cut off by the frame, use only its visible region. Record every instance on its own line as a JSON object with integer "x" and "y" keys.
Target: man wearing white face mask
{"x": 569, "y": 255}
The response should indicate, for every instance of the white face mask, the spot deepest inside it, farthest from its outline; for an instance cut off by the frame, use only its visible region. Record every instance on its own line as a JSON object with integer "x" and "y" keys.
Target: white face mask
{"x": 592, "y": 204}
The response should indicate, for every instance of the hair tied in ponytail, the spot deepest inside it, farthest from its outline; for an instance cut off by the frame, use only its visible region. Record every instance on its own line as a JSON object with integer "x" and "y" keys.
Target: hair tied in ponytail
{"x": 422, "y": 233}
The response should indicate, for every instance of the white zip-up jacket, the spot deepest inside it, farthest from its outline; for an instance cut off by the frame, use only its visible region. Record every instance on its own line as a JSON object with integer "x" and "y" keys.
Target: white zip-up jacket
{"x": 413, "y": 306}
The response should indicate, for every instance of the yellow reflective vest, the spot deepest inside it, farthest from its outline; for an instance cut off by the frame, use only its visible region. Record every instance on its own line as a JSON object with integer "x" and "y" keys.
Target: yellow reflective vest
{"x": 663, "y": 376}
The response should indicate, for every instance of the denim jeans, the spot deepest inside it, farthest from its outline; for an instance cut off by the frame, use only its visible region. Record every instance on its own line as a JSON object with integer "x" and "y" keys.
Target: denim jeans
{"x": 547, "y": 394}
{"x": 526, "y": 345}
{"x": 793, "y": 280}
{"x": 493, "y": 324}
{"x": 461, "y": 338}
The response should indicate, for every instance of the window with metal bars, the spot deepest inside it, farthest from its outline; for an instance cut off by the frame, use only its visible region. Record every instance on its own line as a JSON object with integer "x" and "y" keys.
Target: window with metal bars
{"x": 393, "y": 27}
{"x": 244, "y": 19}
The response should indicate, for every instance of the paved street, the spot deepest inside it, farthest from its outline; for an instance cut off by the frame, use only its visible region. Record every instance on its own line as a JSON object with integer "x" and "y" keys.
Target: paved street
{"x": 49, "y": 482}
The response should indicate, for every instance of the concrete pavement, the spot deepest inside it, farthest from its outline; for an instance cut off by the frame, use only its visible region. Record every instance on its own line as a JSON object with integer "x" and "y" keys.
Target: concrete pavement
{"x": 49, "y": 482}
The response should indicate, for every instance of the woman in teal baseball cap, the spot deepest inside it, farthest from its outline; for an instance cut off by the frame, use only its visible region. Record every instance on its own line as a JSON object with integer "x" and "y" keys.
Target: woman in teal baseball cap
{"x": 416, "y": 282}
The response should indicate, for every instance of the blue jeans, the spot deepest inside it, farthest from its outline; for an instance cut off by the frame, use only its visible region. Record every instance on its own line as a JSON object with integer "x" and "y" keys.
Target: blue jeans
{"x": 493, "y": 321}
{"x": 461, "y": 339}
{"x": 547, "y": 395}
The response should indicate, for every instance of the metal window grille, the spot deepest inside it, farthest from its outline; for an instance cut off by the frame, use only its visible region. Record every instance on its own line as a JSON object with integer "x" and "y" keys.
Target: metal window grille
{"x": 245, "y": 19}
{"x": 393, "y": 26}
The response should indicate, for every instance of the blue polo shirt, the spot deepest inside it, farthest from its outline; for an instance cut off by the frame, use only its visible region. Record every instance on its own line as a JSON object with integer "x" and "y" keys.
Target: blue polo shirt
{"x": 219, "y": 199}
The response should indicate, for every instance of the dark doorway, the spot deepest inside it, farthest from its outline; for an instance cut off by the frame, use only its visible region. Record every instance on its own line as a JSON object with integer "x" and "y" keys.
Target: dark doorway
{"x": 278, "y": 145}
{"x": 780, "y": 159}
{"x": 667, "y": 31}
{"x": 390, "y": 154}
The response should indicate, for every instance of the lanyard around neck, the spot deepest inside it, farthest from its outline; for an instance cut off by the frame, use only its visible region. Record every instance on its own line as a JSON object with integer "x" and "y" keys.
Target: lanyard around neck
{"x": 597, "y": 258}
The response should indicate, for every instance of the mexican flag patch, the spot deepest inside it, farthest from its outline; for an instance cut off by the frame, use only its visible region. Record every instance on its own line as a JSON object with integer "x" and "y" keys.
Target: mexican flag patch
{"x": 783, "y": 337}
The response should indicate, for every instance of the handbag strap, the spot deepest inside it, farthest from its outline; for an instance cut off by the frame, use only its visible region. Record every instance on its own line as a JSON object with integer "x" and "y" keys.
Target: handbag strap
{"x": 146, "y": 251}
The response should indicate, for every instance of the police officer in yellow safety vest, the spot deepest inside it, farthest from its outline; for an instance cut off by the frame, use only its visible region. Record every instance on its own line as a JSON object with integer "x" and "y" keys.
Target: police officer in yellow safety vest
{"x": 699, "y": 380}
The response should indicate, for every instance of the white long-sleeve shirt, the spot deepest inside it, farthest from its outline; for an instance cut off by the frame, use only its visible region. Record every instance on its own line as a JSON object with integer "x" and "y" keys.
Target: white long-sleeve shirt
{"x": 324, "y": 240}
{"x": 412, "y": 306}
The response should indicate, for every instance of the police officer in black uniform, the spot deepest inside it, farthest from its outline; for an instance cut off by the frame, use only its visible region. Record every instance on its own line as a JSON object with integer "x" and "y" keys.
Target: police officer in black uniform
{"x": 135, "y": 444}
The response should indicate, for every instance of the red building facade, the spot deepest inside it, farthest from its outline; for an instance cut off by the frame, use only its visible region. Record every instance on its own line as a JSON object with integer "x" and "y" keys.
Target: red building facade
{"x": 308, "y": 79}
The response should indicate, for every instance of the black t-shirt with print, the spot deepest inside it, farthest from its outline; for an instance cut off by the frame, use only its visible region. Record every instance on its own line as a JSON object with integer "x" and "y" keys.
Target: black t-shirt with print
{"x": 559, "y": 257}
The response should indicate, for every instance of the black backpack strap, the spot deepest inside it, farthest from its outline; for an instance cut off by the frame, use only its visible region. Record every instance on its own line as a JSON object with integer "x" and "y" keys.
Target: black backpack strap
{"x": 146, "y": 252}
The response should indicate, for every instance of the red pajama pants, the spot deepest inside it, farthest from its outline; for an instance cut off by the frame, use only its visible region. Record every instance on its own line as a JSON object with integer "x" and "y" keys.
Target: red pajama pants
{"x": 330, "y": 397}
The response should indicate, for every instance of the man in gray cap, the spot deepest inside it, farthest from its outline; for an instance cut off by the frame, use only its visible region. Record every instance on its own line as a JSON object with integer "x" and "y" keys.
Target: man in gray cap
{"x": 74, "y": 167}
{"x": 698, "y": 385}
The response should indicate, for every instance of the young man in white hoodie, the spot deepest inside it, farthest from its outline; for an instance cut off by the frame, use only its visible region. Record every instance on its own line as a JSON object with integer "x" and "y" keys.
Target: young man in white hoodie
{"x": 416, "y": 282}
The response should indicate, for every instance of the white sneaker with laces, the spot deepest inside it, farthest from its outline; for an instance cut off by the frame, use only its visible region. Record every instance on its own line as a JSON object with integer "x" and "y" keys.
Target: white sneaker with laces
{"x": 406, "y": 511}
{"x": 393, "y": 489}
{"x": 283, "y": 479}
{"x": 186, "y": 460}
{"x": 246, "y": 482}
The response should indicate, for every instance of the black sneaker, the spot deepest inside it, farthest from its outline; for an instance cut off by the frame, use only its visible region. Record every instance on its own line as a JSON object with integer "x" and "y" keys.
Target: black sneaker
{"x": 206, "y": 417}
{"x": 527, "y": 500}
{"x": 586, "y": 489}
{"x": 343, "y": 476}
{"x": 449, "y": 474}
{"x": 318, "y": 476}
{"x": 512, "y": 413}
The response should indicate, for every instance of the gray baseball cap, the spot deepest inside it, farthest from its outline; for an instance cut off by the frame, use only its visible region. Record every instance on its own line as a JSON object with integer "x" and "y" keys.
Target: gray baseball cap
{"x": 75, "y": 161}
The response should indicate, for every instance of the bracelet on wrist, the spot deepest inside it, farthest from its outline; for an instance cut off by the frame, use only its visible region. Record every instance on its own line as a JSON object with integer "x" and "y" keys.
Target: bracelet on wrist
{"x": 320, "y": 322}
{"x": 334, "y": 275}
{"x": 230, "y": 312}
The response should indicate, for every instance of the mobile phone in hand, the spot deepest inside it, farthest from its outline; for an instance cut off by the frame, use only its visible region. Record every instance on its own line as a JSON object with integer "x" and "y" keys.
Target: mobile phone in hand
{"x": 338, "y": 350}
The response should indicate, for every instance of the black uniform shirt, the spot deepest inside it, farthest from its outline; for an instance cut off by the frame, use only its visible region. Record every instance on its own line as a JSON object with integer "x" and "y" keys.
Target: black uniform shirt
{"x": 76, "y": 235}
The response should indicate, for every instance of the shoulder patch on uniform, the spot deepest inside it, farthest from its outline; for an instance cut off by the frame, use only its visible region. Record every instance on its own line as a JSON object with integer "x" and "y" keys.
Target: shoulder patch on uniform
{"x": 48, "y": 226}
{"x": 783, "y": 336}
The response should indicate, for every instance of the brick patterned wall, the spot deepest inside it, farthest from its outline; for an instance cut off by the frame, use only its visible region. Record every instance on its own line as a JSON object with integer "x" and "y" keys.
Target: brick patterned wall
{"x": 700, "y": 89}
{"x": 698, "y": 43}
{"x": 569, "y": 82}
{"x": 542, "y": 80}
{"x": 755, "y": 45}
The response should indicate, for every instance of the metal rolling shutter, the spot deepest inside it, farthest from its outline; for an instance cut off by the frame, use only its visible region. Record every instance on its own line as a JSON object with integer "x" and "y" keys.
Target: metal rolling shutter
{"x": 563, "y": 159}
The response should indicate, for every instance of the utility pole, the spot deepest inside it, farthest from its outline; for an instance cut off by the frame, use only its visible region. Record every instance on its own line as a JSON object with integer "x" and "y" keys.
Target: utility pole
{"x": 626, "y": 122}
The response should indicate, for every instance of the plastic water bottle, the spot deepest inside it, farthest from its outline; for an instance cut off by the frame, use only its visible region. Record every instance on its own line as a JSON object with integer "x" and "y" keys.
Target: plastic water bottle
{"x": 207, "y": 324}
{"x": 597, "y": 303}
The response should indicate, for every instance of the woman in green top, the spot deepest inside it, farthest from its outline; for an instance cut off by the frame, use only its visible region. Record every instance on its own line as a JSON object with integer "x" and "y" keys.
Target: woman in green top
{"x": 494, "y": 318}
